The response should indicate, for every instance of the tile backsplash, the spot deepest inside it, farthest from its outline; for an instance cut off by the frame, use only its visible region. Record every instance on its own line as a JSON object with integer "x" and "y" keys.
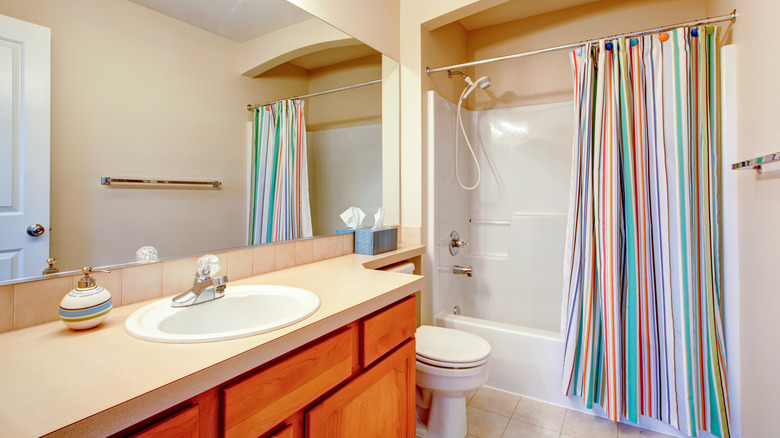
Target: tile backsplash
{"x": 36, "y": 302}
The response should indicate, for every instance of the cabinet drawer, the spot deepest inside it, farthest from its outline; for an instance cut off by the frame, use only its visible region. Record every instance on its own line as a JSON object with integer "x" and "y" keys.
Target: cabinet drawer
{"x": 383, "y": 331}
{"x": 255, "y": 404}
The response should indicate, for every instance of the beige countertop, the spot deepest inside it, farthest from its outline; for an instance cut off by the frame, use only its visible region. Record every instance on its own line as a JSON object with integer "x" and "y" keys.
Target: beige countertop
{"x": 93, "y": 383}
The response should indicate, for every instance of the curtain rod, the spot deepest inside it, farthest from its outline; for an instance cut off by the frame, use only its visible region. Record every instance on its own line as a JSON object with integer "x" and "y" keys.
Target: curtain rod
{"x": 730, "y": 17}
{"x": 250, "y": 107}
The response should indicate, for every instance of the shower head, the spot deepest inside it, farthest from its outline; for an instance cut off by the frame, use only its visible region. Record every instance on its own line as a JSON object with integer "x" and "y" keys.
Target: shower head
{"x": 482, "y": 83}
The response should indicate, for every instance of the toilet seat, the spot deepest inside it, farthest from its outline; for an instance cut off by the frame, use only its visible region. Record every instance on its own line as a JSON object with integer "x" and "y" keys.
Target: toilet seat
{"x": 448, "y": 348}
{"x": 441, "y": 364}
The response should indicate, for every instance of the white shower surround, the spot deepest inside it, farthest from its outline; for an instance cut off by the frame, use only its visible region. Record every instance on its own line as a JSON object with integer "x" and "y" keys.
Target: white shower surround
{"x": 514, "y": 221}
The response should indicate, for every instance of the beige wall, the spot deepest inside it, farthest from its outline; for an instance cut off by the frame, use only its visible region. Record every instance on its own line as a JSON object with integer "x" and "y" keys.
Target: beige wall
{"x": 375, "y": 23}
{"x": 267, "y": 51}
{"x": 356, "y": 107}
{"x": 447, "y": 45}
{"x": 135, "y": 93}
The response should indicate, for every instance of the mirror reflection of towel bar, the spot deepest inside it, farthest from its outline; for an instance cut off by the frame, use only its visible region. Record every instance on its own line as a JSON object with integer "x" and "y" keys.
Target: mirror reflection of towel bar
{"x": 107, "y": 181}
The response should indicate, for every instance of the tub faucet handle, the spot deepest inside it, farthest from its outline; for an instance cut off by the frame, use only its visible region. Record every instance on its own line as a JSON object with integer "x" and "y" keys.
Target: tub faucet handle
{"x": 455, "y": 243}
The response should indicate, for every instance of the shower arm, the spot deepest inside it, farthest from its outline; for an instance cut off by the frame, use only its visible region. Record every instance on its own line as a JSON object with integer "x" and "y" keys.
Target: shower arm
{"x": 452, "y": 72}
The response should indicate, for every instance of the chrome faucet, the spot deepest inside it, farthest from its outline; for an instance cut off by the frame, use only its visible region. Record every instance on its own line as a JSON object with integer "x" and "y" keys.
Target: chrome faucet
{"x": 204, "y": 288}
{"x": 462, "y": 270}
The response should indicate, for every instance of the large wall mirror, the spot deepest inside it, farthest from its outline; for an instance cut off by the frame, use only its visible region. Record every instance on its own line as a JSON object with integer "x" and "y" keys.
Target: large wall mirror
{"x": 163, "y": 93}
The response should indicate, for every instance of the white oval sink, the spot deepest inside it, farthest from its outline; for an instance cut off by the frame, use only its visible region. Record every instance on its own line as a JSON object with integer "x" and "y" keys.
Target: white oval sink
{"x": 243, "y": 311}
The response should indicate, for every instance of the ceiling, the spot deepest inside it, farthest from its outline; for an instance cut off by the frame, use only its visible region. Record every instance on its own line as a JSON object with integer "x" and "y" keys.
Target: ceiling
{"x": 237, "y": 20}
{"x": 245, "y": 20}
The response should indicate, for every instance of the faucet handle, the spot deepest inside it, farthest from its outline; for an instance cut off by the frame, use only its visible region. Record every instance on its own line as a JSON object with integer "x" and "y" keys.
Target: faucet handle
{"x": 208, "y": 265}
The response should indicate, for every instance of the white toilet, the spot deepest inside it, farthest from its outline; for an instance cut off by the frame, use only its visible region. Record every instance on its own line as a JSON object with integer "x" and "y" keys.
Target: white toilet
{"x": 451, "y": 364}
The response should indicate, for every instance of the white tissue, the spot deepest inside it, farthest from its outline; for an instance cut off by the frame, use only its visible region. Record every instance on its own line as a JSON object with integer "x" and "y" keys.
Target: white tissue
{"x": 353, "y": 217}
{"x": 379, "y": 218}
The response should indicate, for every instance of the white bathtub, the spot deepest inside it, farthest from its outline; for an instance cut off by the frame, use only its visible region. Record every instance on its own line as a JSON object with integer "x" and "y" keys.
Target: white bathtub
{"x": 523, "y": 360}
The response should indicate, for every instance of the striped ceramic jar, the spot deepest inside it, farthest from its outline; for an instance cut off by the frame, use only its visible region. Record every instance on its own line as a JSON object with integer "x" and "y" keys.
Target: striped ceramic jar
{"x": 85, "y": 308}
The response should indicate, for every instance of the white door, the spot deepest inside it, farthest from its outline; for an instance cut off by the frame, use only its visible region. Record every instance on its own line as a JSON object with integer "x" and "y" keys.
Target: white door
{"x": 25, "y": 107}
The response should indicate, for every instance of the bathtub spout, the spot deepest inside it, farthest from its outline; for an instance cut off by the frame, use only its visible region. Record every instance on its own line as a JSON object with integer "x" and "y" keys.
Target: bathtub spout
{"x": 462, "y": 270}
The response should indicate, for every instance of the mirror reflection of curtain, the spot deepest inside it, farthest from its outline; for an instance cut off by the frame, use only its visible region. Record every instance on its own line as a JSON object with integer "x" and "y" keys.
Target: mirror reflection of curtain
{"x": 644, "y": 328}
{"x": 279, "y": 199}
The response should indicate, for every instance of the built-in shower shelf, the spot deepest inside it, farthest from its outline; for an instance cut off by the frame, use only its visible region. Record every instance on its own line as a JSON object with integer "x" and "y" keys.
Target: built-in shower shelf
{"x": 489, "y": 256}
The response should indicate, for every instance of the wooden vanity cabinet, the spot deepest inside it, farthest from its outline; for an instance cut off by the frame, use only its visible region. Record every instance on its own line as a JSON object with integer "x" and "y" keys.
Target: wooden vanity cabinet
{"x": 357, "y": 381}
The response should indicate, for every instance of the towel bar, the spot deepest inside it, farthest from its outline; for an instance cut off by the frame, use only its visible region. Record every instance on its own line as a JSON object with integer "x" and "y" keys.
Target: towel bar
{"x": 756, "y": 163}
{"x": 107, "y": 181}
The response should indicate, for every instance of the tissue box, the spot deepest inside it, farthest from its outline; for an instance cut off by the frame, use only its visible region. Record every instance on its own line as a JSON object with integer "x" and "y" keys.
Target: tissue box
{"x": 368, "y": 241}
{"x": 349, "y": 230}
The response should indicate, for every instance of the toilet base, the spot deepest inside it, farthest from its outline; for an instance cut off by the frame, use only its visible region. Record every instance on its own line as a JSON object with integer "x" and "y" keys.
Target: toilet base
{"x": 446, "y": 418}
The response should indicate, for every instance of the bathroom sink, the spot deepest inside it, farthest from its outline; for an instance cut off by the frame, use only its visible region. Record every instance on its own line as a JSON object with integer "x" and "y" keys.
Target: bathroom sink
{"x": 244, "y": 311}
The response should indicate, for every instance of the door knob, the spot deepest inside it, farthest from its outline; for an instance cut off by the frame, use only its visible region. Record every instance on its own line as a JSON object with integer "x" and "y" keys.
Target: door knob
{"x": 35, "y": 230}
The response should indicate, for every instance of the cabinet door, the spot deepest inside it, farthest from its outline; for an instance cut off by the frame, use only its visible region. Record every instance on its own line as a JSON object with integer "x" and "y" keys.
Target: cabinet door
{"x": 287, "y": 432}
{"x": 183, "y": 424}
{"x": 378, "y": 403}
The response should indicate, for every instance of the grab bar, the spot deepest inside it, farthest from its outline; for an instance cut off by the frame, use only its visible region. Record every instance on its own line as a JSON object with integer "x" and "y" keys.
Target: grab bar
{"x": 107, "y": 181}
{"x": 756, "y": 163}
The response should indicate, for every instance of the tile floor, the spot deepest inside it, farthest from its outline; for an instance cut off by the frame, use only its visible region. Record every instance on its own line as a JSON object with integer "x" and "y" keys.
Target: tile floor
{"x": 497, "y": 414}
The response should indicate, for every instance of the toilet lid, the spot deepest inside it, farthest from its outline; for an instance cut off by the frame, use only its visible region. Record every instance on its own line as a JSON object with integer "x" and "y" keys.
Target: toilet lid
{"x": 442, "y": 346}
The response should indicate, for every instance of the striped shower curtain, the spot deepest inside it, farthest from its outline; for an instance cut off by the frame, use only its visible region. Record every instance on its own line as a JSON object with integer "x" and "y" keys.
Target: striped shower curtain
{"x": 644, "y": 323}
{"x": 279, "y": 200}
